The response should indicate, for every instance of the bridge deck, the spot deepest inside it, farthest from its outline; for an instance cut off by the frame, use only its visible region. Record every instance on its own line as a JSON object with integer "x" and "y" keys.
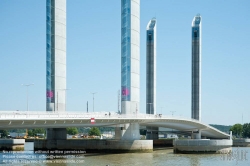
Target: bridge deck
{"x": 14, "y": 120}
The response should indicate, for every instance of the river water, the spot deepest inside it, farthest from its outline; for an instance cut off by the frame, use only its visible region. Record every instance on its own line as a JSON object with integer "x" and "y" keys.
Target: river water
{"x": 160, "y": 157}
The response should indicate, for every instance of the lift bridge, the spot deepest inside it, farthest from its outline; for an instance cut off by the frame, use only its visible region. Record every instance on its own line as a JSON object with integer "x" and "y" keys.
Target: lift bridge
{"x": 43, "y": 119}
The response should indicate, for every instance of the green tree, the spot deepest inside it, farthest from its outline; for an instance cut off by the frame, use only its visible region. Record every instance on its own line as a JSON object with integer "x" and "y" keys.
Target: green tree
{"x": 39, "y": 131}
{"x": 34, "y": 132}
{"x": 4, "y": 133}
{"x": 237, "y": 129}
{"x": 72, "y": 131}
{"x": 30, "y": 133}
{"x": 17, "y": 130}
{"x": 246, "y": 130}
{"x": 94, "y": 131}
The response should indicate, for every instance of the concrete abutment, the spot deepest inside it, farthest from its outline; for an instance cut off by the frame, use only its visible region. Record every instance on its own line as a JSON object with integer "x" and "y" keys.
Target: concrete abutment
{"x": 96, "y": 145}
{"x": 127, "y": 139}
{"x": 12, "y": 144}
{"x": 202, "y": 146}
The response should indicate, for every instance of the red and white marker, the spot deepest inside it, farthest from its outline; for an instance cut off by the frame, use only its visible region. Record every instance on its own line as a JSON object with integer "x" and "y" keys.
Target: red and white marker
{"x": 92, "y": 120}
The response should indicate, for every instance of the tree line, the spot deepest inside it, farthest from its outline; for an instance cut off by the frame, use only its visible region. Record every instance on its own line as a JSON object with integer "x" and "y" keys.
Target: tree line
{"x": 240, "y": 130}
{"x": 96, "y": 131}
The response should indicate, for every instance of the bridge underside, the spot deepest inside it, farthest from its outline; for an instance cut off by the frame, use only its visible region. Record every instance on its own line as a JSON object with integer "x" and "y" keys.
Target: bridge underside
{"x": 177, "y": 124}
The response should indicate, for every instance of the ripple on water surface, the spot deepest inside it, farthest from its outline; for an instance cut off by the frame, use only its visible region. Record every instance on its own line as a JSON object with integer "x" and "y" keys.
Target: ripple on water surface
{"x": 160, "y": 157}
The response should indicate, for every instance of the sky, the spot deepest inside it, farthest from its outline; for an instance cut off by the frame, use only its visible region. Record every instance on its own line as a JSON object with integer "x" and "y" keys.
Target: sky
{"x": 94, "y": 56}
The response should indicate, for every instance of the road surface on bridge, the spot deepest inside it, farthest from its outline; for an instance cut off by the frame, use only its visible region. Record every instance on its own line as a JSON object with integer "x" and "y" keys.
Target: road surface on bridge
{"x": 18, "y": 120}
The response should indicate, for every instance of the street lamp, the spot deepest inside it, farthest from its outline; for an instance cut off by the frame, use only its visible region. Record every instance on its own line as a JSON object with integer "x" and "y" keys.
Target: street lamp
{"x": 161, "y": 109}
{"x": 172, "y": 116}
{"x": 150, "y": 108}
{"x": 27, "y": 86}
{"x": 65, "y": 97}
{"x": 173, "y": 112}
{"x": 93, "y": 99}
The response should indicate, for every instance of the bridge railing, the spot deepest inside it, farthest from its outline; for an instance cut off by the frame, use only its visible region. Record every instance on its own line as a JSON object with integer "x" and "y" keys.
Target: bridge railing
{"x": 30, "y": 115}
{"x": 68, "y": 115}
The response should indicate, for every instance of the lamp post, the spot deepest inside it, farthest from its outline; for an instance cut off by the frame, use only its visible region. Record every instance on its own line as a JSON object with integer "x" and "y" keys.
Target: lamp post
{"x": 173, "y": 112}
{"x": 65, "y": 97}
{"x": 150, "y": 104}
{"x": 87, "y": 107}
{"x": 172, "y": 116}
{"x": 93, "y": 100}
{"x": 27, "y": 86}
{"x": 161, "y": 109}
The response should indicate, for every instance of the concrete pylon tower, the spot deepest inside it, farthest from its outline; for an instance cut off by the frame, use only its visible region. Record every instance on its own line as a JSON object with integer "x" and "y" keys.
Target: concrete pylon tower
{"x": 130, "y": 56}
{"x": 196, "y": 67}
{"x": 130, "y": 67}
{"x": 56, "y": 63}
{"x": 152, "y": 132}
{"x": 55, "y": 55}
{"x": 196, "y": 72}
{"x": 151, "y": 68}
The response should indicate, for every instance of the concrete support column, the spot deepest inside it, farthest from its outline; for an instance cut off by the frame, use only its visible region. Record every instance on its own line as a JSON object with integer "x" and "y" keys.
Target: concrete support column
{"x": 196, "y": 135}
{"x": 56, "y": 134}
{"x": 128, "y": 131}
{"x": 152, "y": 133}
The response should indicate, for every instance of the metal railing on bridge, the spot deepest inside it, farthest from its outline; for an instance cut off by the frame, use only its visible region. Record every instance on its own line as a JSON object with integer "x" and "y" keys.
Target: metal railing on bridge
{"x": 68, "y": 115}
{"x": 43, "y": 115}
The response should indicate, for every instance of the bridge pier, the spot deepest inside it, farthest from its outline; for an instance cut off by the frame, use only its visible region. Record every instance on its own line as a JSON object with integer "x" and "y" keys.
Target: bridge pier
{"x": 152, "y": 133}
{"x": 128, "y": 134}
{"x": 129, "y": 131}
{"x": 196, "y": 134}
{"x": 202, "y": 146}
{"x": 53, "y": 136}
{"x": 243, "y": 142}
{"x": 127, "y": 139}
{"x": 12, "y": 144}
{"x": 56, "y": 134}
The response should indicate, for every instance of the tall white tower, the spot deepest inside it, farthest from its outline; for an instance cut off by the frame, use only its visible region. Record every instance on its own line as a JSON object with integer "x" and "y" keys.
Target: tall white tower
{"x": 55, "y": 55}
{"x": 130, "y": 67}
{"x": 130, "y": 56}
{"x": 196, "y": 67}
{"x": 55, "y": 64}
{"x": 151, "y": 67}
{"x": 152, "y": 132}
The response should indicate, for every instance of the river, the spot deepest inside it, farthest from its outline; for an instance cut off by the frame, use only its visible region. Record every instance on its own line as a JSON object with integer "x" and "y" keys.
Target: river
{"x": 160, "y": 157}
